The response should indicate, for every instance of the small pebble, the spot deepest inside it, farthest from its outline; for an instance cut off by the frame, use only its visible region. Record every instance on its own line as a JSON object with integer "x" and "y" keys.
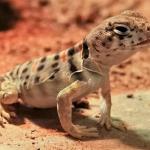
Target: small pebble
{"x": 130, "y": 96}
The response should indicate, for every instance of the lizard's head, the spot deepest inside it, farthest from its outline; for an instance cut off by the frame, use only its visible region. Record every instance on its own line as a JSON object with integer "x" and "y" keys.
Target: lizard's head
{"x": 124, "y": 33}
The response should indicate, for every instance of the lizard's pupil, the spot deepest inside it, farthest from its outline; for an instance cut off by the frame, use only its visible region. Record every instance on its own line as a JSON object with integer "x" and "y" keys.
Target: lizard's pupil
{"x": 121, "y": 29}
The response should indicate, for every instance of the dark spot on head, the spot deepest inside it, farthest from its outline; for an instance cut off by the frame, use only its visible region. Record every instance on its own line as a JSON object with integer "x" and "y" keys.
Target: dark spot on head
{"x": 143, "y": 24}
{"x": 109, "y": 24}
{"x": 56, "y": 57}
{"x": 55, "y": 65}
{"x": 43, "y": 59}
{"x": 37, "y": 79}
{"x": 121, "y": 44}
{"x": 85, "y": 51}
{"x": 94, "y": 45}
{"x": 129, "y": 36}
{"x": 72, "y": 67}
{"x": 132, "y": 42}
{"x": 96, "y": 37}
{"x": 121, "y": 37}
{"x": 109, "y": 38}
{"x": 107, "y": 55}
{"x": 25, "y": 70}
{"x": 71, "y": 51}
{"x": 132, "y": 29}
{"x": 140, "y": 30}
{"x": 135, "y": 27}
{"x": 108, "y": 28}
{"x": 140, "y": 39}
{"x": 40, "y": 67}
{"x": 103, "y": 44}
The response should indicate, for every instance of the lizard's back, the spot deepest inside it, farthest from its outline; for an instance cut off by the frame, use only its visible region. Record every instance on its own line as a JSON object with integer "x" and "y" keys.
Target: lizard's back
{"x": 40, "y": 80}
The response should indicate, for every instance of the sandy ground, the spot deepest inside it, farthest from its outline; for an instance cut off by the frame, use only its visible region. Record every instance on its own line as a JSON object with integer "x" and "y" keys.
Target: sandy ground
{"x": 29, "y": 29}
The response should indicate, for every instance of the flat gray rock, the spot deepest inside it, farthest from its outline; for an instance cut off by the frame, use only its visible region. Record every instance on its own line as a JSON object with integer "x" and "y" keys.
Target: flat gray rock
{"x": 132, "y": 109}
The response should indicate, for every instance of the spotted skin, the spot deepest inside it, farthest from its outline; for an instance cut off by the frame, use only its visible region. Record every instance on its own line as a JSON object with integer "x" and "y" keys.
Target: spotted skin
{"x": 63, "y": 78}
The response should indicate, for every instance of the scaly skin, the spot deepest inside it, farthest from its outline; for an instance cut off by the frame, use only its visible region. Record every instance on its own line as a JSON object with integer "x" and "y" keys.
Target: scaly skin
{"x": 60, "y": 79}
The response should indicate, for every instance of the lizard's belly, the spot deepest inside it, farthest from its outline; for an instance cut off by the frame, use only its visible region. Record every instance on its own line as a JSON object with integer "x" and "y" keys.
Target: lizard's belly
{"x": 44, "y": 95}
{"x": 41, "y": 96}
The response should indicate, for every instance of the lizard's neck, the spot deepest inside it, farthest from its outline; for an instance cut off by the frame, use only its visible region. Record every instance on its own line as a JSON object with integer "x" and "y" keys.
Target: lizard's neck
{"x": 95, "y": 66}
{"x": 91, "y": 62}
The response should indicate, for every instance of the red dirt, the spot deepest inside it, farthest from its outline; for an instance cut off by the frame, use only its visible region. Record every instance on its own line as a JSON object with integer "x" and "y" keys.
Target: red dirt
{"x": 41, "y": 27}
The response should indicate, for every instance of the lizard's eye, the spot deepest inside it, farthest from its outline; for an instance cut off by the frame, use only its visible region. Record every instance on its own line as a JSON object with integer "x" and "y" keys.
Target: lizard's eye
{"x": 121, "y": 29}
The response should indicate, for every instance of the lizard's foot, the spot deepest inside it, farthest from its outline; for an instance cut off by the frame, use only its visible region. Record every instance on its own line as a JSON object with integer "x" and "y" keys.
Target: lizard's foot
{"x": 118, "y": 124}
{"x": 108, "y": 122}
{"x": 5, "y": 115}
{"x": 82, "y": 132}
{"x": 105, "y": 120}
{"x": 81, "y": 104}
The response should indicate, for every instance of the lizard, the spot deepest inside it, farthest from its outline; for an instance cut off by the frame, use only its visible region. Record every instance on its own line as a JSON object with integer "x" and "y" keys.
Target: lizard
{"x": 62, "y": 78}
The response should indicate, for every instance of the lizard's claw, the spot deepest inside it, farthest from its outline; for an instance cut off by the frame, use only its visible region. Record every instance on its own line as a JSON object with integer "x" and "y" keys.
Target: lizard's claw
{"x": 108, "y": 122}
{"x": 82, "y": 132}
{"x": 5, "y": 116}
{"x": 118, "y": 124}
{"x": 105, "y": 120}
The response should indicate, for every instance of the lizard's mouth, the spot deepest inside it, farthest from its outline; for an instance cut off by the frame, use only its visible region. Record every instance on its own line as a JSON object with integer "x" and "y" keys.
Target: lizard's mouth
{"x": 143, "y": 43}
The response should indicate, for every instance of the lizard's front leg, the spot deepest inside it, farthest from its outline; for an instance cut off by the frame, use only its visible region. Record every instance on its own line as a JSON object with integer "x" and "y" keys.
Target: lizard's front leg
{"x": 64, "y": 103}
{"x": 105, "y": 109}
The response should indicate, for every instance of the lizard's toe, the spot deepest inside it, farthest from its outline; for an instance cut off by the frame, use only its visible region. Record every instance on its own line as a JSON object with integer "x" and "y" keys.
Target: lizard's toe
{"x": 105, "y": 120}
{"x": 118, "y": 124}
{"x": 5, "y": 116}
{"x": 108, "y": 122}
{"x": 82, "y": 132}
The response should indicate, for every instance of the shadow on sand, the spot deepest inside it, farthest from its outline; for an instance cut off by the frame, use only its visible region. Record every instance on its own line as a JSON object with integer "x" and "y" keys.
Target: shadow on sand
{"x": 48, "y": 118}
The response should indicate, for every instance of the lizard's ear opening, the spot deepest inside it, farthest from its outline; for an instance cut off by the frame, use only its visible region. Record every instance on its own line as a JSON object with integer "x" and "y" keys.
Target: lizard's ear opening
{"x": 85, "y": 50}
